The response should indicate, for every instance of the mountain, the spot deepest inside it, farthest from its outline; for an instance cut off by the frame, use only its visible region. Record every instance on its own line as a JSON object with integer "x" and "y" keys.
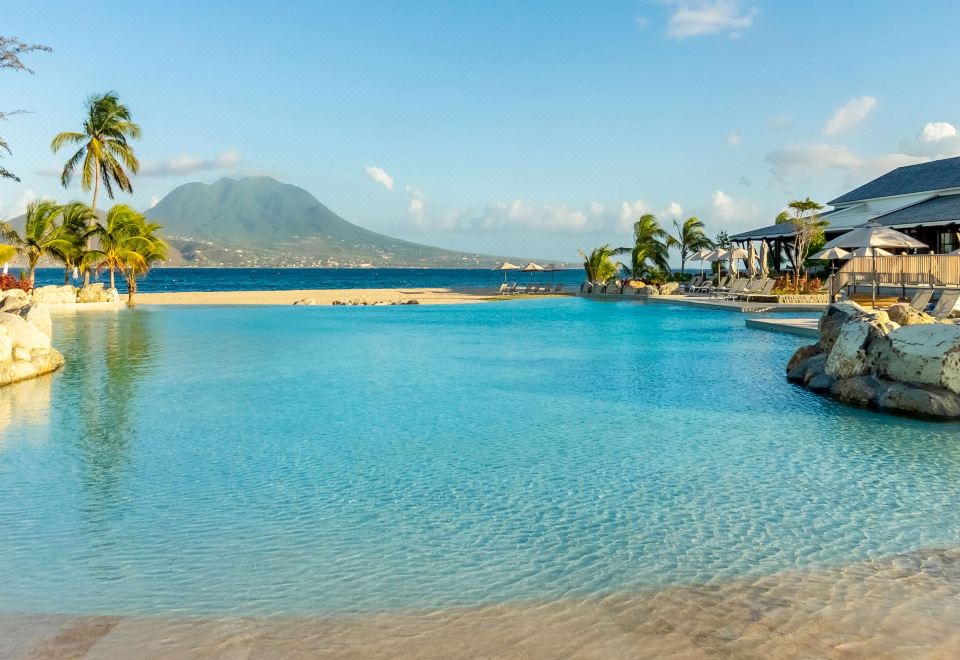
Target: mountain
{"x": 260, "y": 221}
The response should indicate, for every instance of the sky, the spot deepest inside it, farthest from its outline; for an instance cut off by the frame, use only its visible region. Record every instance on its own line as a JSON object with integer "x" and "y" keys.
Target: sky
{"x": 520, "y": 128}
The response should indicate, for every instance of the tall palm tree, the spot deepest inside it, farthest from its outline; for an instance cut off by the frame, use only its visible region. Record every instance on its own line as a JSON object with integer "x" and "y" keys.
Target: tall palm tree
{"x": 689, "y": 238}
{"x": 41, "y": 234}
{"x": 76, "y": 220}
{"x": 598, "y": 265}
{"x": 651, "y": 247}
{"x": 105, "y": 153}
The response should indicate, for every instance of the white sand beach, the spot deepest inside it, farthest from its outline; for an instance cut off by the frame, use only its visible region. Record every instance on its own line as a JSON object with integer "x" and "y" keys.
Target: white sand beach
{"x": 423, "y": 296}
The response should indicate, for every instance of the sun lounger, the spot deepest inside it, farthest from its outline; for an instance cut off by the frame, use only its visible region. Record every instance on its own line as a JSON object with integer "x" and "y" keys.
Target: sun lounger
{"x": 944, "y": 307}
{"x": 558, "y": 288}
{"x": 735, "y": 287}
{"x": 692, "y": 284}
{"x": 765, "y": 290}
{"x": 503, "y": 289}
{"x": 921, "y": 299}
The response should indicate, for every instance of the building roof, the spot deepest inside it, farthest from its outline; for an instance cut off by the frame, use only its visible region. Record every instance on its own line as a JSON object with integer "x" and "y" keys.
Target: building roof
{"x": 935, "y": 175}
{"x": 937, "y": 210}
{"x": 775, "y": 231}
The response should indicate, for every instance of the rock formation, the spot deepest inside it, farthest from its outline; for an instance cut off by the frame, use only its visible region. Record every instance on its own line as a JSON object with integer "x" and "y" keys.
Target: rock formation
{"x": 25, "y": 349}
{"x": 900, "y": 361}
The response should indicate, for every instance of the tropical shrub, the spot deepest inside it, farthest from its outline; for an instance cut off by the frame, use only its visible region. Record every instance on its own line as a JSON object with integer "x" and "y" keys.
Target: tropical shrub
{"x": 786, "y": 284}
{"x": 9, "y": 282}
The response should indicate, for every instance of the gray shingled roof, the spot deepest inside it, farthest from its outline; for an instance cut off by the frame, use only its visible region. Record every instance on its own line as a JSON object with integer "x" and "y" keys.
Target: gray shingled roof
{"x": 775, "y": 231}
{"x": 935, "y": 175}
{"x": 939, "y": 209}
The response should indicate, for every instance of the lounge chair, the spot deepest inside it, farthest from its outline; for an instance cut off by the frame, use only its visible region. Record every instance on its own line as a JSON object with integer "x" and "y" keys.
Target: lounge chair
{"x": 921, "y": 299}
{"x": 944, "y": 307}
{"x": 765, "y": 290}
{"x": 736, "y": 286}
{"x": 707, "y": 286}
{"x": 503, "y": 289}
{"x": 528, "y": 289}
{"x": 558, "y": 288}
{"x": 692, "y": 284}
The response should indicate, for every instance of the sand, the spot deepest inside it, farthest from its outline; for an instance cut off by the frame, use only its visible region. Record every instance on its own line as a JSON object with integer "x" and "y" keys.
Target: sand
{"x": 906, "y": 606}
{"x": 323, "y": 297}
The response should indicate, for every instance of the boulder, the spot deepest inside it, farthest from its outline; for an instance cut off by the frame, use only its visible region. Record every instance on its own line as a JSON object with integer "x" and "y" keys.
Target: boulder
{"x": 849, "y": 355}
{"x": 95, "y": 293}
{"x": 836, "y": 316}
{"x": 13, "y": 300}
{"x": 802, "y": 354}
{"x": 38, "y": 315}
{"x": 55, "y": 295}
{"x": 920, "y": 400}
{"x": 861, "y": 391}
{"x": 821, "y": 382}
{"x": 669, "y": 288}
{"x": 305, "y": 301}
{"x": 904, "y": 314}
{"x": 927, "y": 354}
{"x": 814, "y": 367}
{"x": 23, "y": 334}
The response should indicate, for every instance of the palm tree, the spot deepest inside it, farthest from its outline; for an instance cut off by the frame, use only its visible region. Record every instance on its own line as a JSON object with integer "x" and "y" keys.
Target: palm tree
{"x": 129, "y": 244}
{"x": 104, "y": 150}
{"x": 41, "y": 234}
{"x": 121, "y": 222}
{"x": 807, "y": 226}
{"x": 76, "y": 220}
{"x": 651, "y": 247}
{"x": 598, "y": 265}
{"x": 690, "y": 237}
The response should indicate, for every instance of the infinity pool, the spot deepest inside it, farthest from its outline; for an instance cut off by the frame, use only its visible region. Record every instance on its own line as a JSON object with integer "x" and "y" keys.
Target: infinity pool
{"x": 292, "y": 461}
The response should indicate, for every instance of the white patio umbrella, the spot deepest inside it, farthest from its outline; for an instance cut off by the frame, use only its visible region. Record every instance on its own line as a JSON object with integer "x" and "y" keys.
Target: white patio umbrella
{"x": 718, "y": 255}
{"x": 736, "y": 253}
{"x": 751, "y": 260}
{"x": 701, "y": 256}
{"x": 553, "y": 268}
{"x": 764, "y": 258}
{"x": 875, "y": 235}
{"x": 866, "y": 252}
{"x": 505, "y": 266}
{"x": 832, "y": 254}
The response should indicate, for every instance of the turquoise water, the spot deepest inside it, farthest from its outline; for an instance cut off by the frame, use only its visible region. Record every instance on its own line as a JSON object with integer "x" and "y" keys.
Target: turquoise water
{"x": 318, "y": 460}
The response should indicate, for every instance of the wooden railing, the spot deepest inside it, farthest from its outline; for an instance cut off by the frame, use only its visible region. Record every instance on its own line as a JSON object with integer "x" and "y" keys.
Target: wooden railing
{"x": 900, "y": 270}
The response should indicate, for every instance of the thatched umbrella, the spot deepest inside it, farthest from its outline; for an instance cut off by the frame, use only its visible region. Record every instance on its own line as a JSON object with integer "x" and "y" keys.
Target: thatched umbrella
{"x": 505, "y": 266}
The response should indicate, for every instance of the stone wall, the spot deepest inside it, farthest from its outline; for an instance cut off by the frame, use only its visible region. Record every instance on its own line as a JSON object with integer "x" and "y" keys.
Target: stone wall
{"x": 899, "y": 360}
{"x": 25, "y": 332}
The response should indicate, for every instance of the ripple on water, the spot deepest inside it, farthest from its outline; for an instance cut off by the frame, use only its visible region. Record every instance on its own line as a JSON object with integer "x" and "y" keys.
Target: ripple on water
{"x": 304, "y": 461}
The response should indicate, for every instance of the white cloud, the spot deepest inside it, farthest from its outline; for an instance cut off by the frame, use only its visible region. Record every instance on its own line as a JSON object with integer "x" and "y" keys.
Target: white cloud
{"x": 380, "y": 176}
{"x": 19, "y": 207}
{"x": 734, "y": 139}
{"x": 672, "y": 211}
{"x": 154, "y": 200}
{"x": 641, "y": 21}
{"x": 520, "y": 216}
{"x": 693, "y": 18}
{"x": 185, "y": 164}
{"x": 937, "y": 139}
{"x": 416, "y": 206}
{"x": 737, "y": 212}
{"x": 849, "y": 115}
{"x": 799, "y": 162}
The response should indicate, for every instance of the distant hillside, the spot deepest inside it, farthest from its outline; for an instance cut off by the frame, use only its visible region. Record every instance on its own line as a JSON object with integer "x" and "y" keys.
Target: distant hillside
{"x": 261, "y": 221}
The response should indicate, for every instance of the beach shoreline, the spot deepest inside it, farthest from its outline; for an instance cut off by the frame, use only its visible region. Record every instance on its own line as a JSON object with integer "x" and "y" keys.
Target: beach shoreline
{"x": 387, "y": 296}
{"x": 869, "y": 608}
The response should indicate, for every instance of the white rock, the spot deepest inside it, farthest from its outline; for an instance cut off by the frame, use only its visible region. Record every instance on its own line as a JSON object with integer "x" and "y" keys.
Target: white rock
{"x": 38, "y": 315}
{"x": 13, "y": 299}
{"x": 55, "y": 295}
{"x": 24, "y": 335}
{"x": 849, "y": 356}
{"x": 6, "y": 346}
{"x": 927, "y": 354}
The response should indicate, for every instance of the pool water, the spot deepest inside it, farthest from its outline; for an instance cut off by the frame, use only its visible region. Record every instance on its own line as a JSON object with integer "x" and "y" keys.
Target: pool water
{"x": 330, "y": 460}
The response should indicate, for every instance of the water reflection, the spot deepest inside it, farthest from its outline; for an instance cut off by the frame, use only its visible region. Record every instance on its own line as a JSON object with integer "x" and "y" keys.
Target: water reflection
{"x": 27, "y": 403}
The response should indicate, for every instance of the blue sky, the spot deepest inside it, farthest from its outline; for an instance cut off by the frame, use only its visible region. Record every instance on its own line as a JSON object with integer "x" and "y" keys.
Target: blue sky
{"x": 506, "y": 127}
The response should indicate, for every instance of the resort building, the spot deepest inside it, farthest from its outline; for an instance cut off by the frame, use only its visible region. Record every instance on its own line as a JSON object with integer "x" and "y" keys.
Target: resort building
{"x": 921, "y": 200}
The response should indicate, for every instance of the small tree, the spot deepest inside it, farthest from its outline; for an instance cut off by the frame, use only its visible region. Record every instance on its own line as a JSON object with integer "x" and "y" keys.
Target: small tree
{"x": 11, "y": 49}
{"x": 807, "y": 226}
{"x": 598, "y": 265}
{"x": 41, "y": 234}
{"x": 689, "y": 238}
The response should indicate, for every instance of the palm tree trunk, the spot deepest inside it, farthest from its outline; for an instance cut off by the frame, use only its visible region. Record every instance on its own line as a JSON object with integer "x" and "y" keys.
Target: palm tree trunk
{"x": 66, "y": 274}
{"x": 93, "y": 221}
{"x": 131, "y": 289}
{"x": 112, "y": 285}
